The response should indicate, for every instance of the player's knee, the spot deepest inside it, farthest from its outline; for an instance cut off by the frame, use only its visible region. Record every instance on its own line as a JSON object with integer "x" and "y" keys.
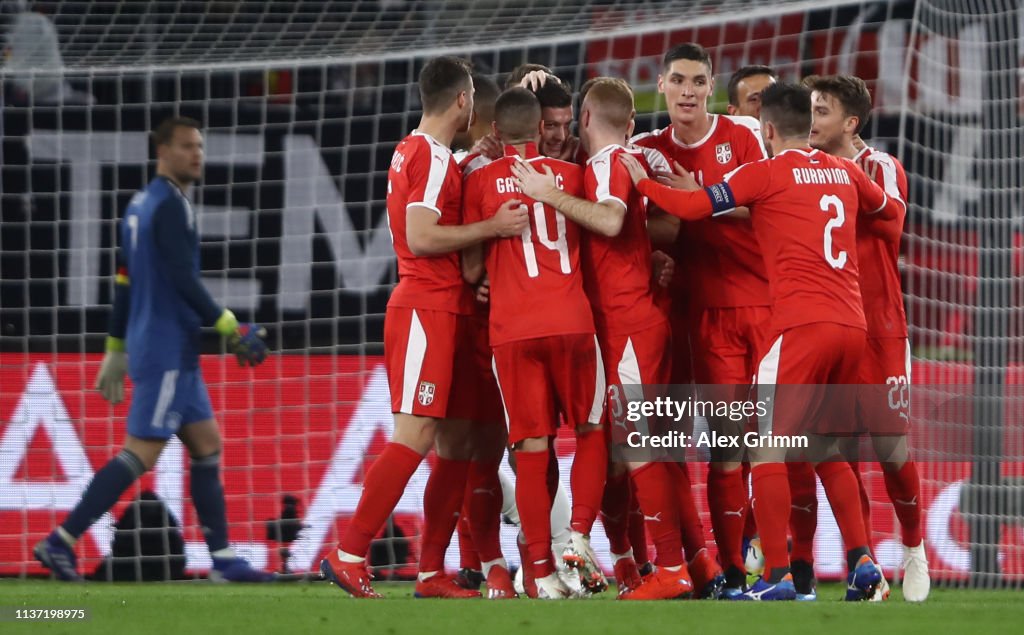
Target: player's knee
{"x": 532, "y": 444}
{"x": 135, "y": 463}
{"x": 208, "y": 461}
{"x": 416, "y": 433}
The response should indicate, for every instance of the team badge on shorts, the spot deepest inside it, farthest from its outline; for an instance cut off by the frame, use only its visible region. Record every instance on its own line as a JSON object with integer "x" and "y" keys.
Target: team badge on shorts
{"x": 723, "y": 152}
{"x": 426, "y": 394}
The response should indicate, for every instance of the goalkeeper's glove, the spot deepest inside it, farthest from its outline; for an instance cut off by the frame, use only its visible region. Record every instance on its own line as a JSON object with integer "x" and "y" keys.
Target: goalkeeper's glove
{"x": 244, "y": 341}
{"x": 110, "y": 380}
{"x": 247, "y": 344}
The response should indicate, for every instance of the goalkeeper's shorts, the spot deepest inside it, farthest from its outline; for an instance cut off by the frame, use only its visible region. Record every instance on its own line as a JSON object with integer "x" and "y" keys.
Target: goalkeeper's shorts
{"x": 163, "y": 402}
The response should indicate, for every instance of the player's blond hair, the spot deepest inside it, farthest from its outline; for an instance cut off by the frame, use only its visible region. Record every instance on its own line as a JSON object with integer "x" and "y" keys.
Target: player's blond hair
{"x": 611, "y": 101}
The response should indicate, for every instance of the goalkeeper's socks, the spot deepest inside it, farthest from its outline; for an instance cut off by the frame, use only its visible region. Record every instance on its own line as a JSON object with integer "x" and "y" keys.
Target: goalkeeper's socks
{"x": 383, "y": 487}
{"x": 103, "y": 491}
{"x": 534, "y": 505}
{"x": 589, "y": 468}
{"x": 442, "y": 500}
{"x": 208, "y": 498}
{"x": 770, "y": 502}
{"x": 904, "y": 488}
{"x": 654, "y": 492}
{"x": 615, "y": 512}
{"x": 803, "y": 517}
{"x": 841, "y": 488}
{"x": 483, "y": 504}
{"x": 727, "y": 502}
{"x": 689, "y": 522}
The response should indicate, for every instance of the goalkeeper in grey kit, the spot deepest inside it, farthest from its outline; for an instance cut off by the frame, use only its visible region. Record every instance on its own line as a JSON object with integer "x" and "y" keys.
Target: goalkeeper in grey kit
{"x": 159, "y": 309}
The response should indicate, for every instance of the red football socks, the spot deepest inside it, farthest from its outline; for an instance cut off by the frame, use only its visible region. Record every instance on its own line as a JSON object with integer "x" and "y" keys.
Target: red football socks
{"x": 383, "y": 487}
{"x": 904, "y": 488}
{"x": 727, "y": 502}
{"x": 615, "y": 512}
{"x": 803, "y": 515}
{"x": 589, "y": 468}
{"x": 770, "y": 503}
{"x": 865, "y": 500}
{"x": 484, "y": 501}
{"x": 841, "y": 488}
{"x": 689, "y": 522}
{"x": 442, "y": 500}
{"x": 654, "y": 492}
{"x": 534, "y": 505}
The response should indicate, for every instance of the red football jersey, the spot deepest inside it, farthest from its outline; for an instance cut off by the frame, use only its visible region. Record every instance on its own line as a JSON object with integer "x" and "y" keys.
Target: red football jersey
{"x": 878, "y": 250}
{"x": 728, "y": 271}
{"x": 804, "y": 205}
{"x": 536, "y": 283}
{"x": 424, "y": 173}
{"x": 617, "y": 270}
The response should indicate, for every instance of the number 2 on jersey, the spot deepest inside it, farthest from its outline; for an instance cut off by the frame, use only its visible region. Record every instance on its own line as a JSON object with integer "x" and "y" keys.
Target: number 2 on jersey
{"x": 559, "y": 244}
{"x": 827, "y": 201}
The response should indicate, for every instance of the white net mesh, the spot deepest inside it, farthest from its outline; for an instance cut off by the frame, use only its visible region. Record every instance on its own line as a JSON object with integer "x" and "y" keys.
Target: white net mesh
{"x": 303, "y": 103}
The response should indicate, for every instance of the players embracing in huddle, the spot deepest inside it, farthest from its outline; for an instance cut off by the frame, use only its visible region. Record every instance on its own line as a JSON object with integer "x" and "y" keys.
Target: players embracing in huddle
{"x": 783, "y": 275}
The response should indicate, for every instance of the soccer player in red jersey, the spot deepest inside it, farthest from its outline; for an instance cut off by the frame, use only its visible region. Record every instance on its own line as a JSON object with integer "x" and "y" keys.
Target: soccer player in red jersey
{"x": 632, "y": 331}
{"x": 479, "y": 524}
{"x": 545, "y": 351}
{"x": 805, "y": 205}
{"x": 745, "y": 87}
{"x": 421, "y": 330}
{"x": 840, "y": 108}
{"x": 724, "y": 320}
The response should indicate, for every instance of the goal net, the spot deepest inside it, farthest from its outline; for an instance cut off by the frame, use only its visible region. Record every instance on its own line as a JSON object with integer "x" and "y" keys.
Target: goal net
{"x": 302, "y": 105}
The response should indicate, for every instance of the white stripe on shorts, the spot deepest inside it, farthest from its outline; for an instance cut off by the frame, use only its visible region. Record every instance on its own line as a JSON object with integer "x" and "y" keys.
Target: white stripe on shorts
{"x": 415, "y": 351}
{"x": 497, "y": 380}
{"x": 600, "y": 388}
{"x": 767, "y": 375}
{"x": 163, "y": 401}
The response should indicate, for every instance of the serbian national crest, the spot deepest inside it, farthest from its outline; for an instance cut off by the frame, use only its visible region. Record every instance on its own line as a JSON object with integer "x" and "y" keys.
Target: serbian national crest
{"x": 723, "y": 152}
{"x": 426, "y": 394}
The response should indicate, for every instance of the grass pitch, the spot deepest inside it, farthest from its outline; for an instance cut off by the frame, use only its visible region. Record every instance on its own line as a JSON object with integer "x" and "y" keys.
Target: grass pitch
{"x": 287, "y": 608}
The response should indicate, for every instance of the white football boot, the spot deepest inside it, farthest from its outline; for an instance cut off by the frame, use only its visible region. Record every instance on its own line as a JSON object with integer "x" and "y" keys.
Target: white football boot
{"x": 916, "y": 582}
{"x": 580, "y": 556}
{"x": 551, "y": 587}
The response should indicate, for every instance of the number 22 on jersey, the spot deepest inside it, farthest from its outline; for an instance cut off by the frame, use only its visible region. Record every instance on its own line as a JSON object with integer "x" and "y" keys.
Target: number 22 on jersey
{"x": 559, "y": 244}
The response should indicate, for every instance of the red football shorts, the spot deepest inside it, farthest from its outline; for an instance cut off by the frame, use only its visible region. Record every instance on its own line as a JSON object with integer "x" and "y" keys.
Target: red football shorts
{"x": 419, "y": 351}
{"x": 475, "y": 395}
{"x": 545, "y": 377}
{"x": 807, "y": 379}
{"x": 681, "y": 326}
{"x": 643, "y": 358}
{"x": 883, "y": 404}
{"x": 729, "y": 343}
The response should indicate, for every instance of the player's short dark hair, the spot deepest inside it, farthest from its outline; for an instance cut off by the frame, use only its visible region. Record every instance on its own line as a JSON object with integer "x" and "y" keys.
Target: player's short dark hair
{"x": 689, "y": 51}
{"x": 517, "y": 115}
{"x": 163, "y": 134}
{"x": 485, "y": 93}
{"x": 742, "y": 74}
{"x": 554, "y": 94}
{"x": 441, "y": 81}
{"x": 788, "y": 107}
{"x": 521, "y": 71}
{"x": 851, "y": 93}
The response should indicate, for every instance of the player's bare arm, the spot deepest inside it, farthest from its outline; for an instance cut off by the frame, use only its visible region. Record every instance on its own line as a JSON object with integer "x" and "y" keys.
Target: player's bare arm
{"x": 428, "y": 238}
{"x": 603, "y": 218}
